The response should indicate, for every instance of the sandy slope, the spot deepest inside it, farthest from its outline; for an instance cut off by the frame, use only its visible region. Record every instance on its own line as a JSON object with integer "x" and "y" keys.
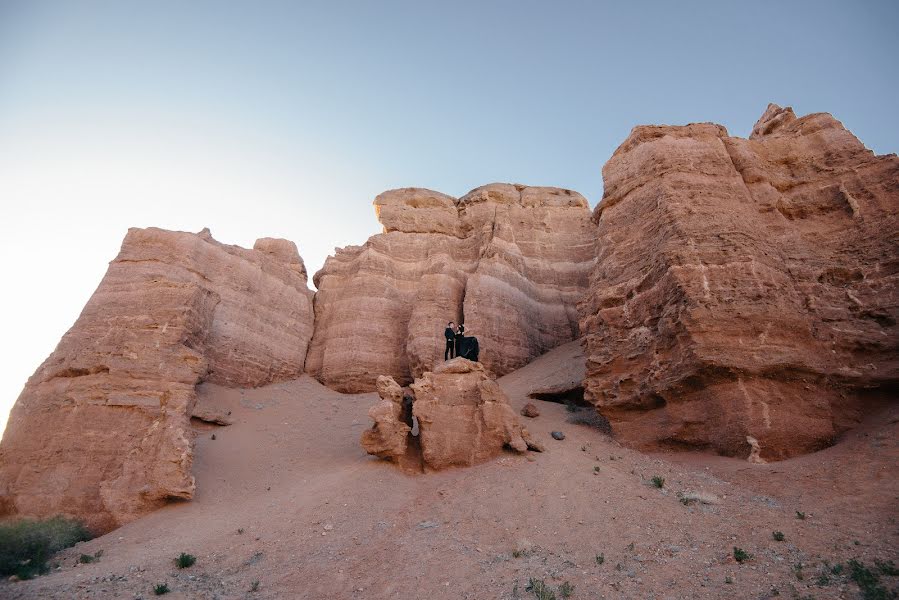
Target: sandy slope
{"x": 321, "y": 519}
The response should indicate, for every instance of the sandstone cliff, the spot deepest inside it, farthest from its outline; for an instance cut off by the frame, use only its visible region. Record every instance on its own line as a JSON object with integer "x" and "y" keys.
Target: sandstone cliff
{"x": 101, "y": 430}
{"x": 510, "y": 260}
{"x": 743, "y": 288}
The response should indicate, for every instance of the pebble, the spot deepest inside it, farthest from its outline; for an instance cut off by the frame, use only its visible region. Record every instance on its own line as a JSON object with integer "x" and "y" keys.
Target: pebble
{"x": 558, "y": 435}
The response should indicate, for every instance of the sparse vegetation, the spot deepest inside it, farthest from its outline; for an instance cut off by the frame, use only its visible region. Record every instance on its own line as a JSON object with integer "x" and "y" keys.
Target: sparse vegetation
{"x": 778, "y": 536}
{"x": 26, "y": 546}
{"x": 161, "y": 588}
{"x": 540, "y": 590}
{"x": 800, "y": 515}
{"x": 600, "y": 558}
{"x": 837, "y": 569}
{"x": 823, "y": 580}
{"x": 86, "y": 559}
{"x": 741, "y": 555}
{"x": 658, "y": 481}
{"x": 566, "y": 589}
{"x": 797, "y": 571}
{"x": 254, "y": 587}
{"x": 596, "y": 469}
{"x": 185, "y": 560}
{"x": 240, "y": 531}
{"x": 868, "y": 580}
{"x": 886, "y": 568}
{"x": 728, "y": 579}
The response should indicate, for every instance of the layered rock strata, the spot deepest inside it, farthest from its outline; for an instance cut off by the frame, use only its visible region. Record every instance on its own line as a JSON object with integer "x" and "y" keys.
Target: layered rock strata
{"x": 744, "y": 297}
{"x": 102, "y": 429}
{"x": 463, "y": 416}
{"x": 510, "y": 261}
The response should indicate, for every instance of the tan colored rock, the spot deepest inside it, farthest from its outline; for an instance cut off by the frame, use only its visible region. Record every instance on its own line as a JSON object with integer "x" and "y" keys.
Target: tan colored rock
{"x": 388, "y": 438}
{"x": 743, "y": 288}
{"x": 102, "y": 431}
{"x": 464, "y": 418}
{"x": 530, "y": 410}
{"x": 512, "y": 259}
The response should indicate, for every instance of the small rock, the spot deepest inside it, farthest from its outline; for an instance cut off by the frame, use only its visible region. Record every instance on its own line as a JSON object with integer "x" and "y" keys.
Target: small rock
{"x": 530, "y": 410}
{"x": 558, "y": 435}
{"x": 328, "y": 527}
{"x": 427, "y": 525}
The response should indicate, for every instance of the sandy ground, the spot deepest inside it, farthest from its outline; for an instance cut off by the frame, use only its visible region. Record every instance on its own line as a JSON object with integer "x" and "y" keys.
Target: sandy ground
{"x": 287, "y": 498}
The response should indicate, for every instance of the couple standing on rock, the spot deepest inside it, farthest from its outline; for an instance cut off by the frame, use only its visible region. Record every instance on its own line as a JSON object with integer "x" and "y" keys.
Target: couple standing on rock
{"x": 453, "y": 340}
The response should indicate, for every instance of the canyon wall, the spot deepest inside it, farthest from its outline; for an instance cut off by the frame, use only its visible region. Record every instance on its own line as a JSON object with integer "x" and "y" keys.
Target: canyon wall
{"x": 745, "y": 290}
{"x": 102, "y": 429}
{"x": 510, "y": 261}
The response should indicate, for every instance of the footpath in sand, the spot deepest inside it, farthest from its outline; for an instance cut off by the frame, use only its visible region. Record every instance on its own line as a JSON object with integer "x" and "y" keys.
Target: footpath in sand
{"x": 286, "y": 497}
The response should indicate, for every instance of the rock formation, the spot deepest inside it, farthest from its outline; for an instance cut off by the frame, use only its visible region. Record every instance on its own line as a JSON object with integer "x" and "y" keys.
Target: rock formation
{"x": 464, "y": 418}
{"x": 101, "y": 430}
{"x": 743, "y": 289}
{"x": 510, "y": 260}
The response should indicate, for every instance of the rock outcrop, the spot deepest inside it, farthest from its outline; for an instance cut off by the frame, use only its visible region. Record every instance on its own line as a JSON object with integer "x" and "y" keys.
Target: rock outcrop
{"x": 510, "y": 261}
{"x": 102, "y": 429}
{"x": 743, "y": 289}
{"x": 463, "y": 416}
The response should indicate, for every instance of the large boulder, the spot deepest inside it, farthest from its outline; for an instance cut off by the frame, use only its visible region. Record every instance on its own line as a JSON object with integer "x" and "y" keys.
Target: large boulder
{"x": 101, "y": 431}
{"x": 463, "y": 416}
{"x": 744, "y": 296}
{"x": 514, "y": 260}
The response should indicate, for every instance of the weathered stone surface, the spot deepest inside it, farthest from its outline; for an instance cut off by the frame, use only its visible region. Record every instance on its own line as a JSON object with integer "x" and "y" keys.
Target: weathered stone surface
{"x": 464, "y": 418}
{"x": 388, "y": 437}
{"x": 101, "y": 431}
{"x": 512, "y": 259}
{"x": 530, "y": 410}
{"x": 743, "y": 288}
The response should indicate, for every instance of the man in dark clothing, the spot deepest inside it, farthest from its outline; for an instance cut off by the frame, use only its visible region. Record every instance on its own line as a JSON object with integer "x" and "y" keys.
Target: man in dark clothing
{"x": 450, "y": 335}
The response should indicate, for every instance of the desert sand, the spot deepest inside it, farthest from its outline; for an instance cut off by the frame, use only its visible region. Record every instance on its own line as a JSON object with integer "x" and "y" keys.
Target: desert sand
{"x": 286, "y": 496}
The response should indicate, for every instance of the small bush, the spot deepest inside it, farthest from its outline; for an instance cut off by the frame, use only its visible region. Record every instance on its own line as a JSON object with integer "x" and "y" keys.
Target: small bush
{"x": 886, "y": 568}
{"x": 778, "y": 536}
{"x": 254, "y": 587}
{"x": 596, "y": 469}
{"x": 86, "y": 559}
{"x": 868, "y": 581}
{"x": 837, "y": 569}
{"x": 658, "y": 481}
{"x": 26, "y": 546}
{"x": 728, "y": 579}
{"x": 600, "y": 558}
{"x": 823, "y": 580}
{"x": 566, "y": 589}
{"x": 161, "y": 588}
{"x": 741, "y": 555}
{"x": 185, "y": 560}
{"x": 540, "y": 590}
{"x": 800, "y": 515}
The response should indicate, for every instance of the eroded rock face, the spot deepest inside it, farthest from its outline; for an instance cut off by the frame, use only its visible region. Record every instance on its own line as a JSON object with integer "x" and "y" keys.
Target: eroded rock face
{"x": 509, "y": 259}
{"x": 464, "y": 418}
{"x": 743, "y": 289}
{"x": 102, "y": 429}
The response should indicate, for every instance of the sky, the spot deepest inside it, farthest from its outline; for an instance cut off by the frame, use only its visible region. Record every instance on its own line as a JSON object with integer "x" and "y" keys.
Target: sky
{"x": 286, "y": 119}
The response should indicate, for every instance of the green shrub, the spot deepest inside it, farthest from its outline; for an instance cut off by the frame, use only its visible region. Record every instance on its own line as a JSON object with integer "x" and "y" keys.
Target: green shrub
{"x": 161, "y": 588}
{"x": 254, "y": 587}
{"x": 86, "y": 559}
{"x": 741, "y": 555}
{"x": 778, "y": 536}
{"x": 566, "y": 589}
{"x": 185, "y": 560}
{"x": 600, "y": 558}
{"x": 800, "y": 515}
{"x": 658, "y": 481}
{"x": 27, "y": 545}
{"x": 540, "y": 590}
{"x": 868, "y": 581}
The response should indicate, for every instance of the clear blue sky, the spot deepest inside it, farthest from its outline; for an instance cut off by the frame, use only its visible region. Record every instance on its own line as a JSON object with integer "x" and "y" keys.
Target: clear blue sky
{"x": 287, "y": 118}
